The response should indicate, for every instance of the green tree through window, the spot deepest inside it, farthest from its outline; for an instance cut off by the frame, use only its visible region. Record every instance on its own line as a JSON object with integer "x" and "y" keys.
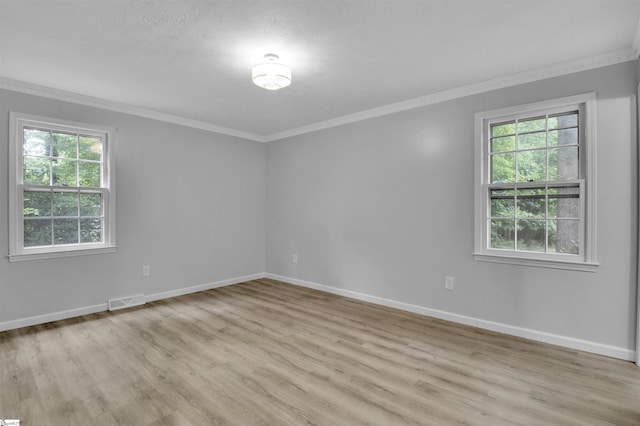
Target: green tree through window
{"x": 542, "y": 152}
{"x": 63, "y": 185}
{"x": 535, "y": 184}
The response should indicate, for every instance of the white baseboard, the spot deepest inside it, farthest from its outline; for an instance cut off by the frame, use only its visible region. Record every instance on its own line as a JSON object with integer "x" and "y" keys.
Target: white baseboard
{"x": 86, "y": 310}
{"x": 541, "y": 336}
{"x": 53, "y": 316}
{"x": 202, "y": 287}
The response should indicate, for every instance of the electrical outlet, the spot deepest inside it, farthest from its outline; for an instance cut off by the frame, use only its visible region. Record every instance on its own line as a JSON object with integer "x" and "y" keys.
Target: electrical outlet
{"x": 294, "y": 258}
{"x": 146, "y": 270}
{"x": 448, "y": 283}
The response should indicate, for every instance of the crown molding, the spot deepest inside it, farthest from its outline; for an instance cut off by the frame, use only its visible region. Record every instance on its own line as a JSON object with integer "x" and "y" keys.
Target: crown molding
{"x": 61, "y": 95}
{"x": 611, "y": 58}
{"x": 623, "y": 55}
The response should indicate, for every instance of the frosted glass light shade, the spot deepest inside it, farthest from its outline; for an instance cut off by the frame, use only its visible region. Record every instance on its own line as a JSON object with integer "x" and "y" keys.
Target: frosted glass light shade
{"x": 271, "y": 75}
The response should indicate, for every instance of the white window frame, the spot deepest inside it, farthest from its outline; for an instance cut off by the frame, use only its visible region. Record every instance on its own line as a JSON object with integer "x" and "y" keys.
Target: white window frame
{"x": 17, "y": 251}
{"x": 587, "y": 259}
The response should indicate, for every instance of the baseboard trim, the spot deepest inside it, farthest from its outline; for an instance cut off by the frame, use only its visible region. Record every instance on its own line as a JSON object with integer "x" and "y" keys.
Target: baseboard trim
{"x": 53, "y": 316}
{"x": 194, "y": 289}
{"x": 86, "y": 310}
{"x": 540, "y": 336}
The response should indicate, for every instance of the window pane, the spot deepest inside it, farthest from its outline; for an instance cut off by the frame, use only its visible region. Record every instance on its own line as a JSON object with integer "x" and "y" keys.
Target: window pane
{"x": 532, "y": 140}
{"x": 503, "y": 129}
{"x": 65, "y": 231}
{"x": 568, "y": 137}
{"x": 37, "y": 232}
{"x": 90, "y": 230}
{"x": 36, "y": 142}
{"x": 564, "y": 236}
{"x": 506, "y": 143}
{"x": 65, "y": 204}
{"x": 64, "y": 172}
{"x": 531, "y": 203}
{"x": 532, "y": 125}
{"x": 532, "y": 166}
{"x": 89, "y": 174}
{"x": 563, "y": 137}
{"x": 568, "y": 206}
{"x": 563, "y": 120}
{"x": 502, "y": 203}
{"x": 37, "y": 203}
{"x": 90, "y": 205}
{"x": 503, "y": 168}
{"x": 502, "y": 233}
{"x": 90, "y": 148}
{"x": 37, "y": 171}
{"x": 564, "y": 202}
{"x": 563, "y": 163}
{"x": 531, "y": 235}
{"x": 65, "y": 145}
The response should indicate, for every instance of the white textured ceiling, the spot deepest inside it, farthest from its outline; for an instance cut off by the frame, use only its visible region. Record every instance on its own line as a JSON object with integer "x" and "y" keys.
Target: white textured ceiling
{"x": 192, "y": 58}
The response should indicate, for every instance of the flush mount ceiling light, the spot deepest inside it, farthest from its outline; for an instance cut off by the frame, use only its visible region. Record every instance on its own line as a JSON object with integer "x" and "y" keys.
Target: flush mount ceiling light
{"x": 271, "y": 74}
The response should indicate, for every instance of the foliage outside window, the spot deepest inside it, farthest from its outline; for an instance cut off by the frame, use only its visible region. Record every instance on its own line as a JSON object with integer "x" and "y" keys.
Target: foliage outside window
{"x": 62, "y": 192}
{"x": 534, "y": 195}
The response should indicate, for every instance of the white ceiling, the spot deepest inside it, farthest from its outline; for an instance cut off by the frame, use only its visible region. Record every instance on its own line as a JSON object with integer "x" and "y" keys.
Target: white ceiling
{"x": 193, "y": 58}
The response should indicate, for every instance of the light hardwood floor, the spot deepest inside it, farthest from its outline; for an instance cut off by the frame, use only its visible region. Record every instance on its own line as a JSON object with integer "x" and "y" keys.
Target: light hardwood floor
{"x": 268, "y": 353}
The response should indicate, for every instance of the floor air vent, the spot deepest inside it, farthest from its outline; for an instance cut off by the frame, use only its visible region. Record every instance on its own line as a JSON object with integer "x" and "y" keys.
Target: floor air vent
{"x": 126, "y": 302}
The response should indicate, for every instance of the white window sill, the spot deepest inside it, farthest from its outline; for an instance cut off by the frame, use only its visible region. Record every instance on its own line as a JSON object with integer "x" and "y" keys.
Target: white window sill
{"x": 540, "y": 263}
{"x": 59, "y": 254}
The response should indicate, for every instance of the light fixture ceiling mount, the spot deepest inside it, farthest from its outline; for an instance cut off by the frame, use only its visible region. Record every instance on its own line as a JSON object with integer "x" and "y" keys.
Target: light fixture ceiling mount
{"x": 271, "y": 74}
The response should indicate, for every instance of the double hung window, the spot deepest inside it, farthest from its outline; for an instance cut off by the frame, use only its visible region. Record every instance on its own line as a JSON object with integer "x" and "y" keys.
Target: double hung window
{"x": 62, "y": 199}
{"x": 535, "y": 184}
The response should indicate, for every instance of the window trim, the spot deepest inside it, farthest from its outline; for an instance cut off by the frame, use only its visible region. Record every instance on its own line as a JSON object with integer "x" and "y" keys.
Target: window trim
{"x": 17, "y": 251}
{"x": 587, "y": 261}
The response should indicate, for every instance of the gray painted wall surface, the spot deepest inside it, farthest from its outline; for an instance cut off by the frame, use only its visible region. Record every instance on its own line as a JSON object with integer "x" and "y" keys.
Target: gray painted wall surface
{"x": 385, "y": 207}
{"x": 190, "y": 204}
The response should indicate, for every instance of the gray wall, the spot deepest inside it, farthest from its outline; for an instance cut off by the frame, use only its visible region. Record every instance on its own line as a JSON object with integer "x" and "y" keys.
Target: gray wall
{"x": 385, "y": 207}
{"x": 190, "y": 204}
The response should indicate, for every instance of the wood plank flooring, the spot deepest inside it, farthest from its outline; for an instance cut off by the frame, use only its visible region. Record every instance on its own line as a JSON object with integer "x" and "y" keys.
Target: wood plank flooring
{"x": 268, "y": 353}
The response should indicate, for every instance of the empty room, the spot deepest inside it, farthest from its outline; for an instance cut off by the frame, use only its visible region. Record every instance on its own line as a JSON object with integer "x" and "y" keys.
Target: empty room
{"x": 382, "y": 212}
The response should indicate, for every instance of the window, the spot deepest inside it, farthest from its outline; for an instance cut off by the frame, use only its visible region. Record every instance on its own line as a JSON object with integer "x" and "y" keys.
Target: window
{"x": 62, "y": 199}
{"x": 535, "y": 189}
